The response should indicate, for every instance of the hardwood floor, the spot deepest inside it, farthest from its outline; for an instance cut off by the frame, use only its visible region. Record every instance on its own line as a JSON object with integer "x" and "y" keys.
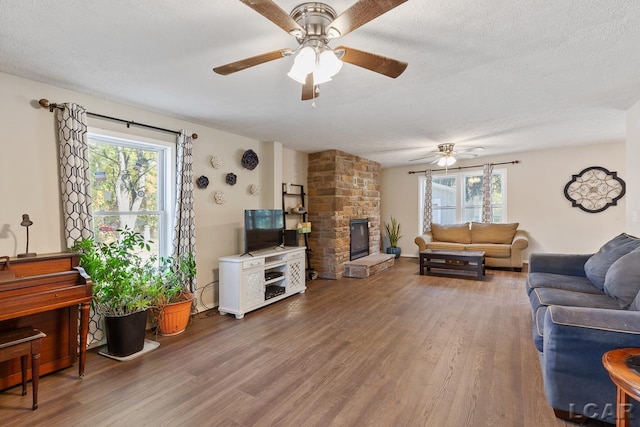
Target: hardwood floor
{"x": 396, "y": 349}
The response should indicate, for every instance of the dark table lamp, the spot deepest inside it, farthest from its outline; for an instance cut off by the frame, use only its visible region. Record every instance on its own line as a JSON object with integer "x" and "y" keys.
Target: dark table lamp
{"x": 26, "y": 222}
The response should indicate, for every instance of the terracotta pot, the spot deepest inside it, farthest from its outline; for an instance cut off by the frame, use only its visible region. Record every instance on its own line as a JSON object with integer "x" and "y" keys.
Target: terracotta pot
{"x": 173, "y": 318}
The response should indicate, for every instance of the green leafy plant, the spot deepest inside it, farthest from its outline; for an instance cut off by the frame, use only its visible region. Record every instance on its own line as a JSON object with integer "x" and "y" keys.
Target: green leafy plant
{"x": 393, "y": 232}
{"x": 173, "y": 279}
{"x": 120, "y": 274}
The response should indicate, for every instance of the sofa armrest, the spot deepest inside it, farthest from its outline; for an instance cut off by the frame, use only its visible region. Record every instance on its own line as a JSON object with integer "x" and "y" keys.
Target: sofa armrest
{"x": 603, "y": 319}
{"x": 572, "y": 265}
{"x": 575, "y": 338}
{"x": 520, "y": 240}
{"x": 422, "y": 240}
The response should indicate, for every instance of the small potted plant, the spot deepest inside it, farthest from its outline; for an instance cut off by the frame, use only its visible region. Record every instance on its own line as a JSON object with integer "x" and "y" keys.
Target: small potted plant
{"x": 121, "y": 292}
{"x": 393, "y": 234}
{"x": 173, "y": 293}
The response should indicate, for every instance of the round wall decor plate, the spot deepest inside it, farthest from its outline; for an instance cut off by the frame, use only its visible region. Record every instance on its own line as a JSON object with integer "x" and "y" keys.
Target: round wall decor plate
{"x": 231, "y": 178}
{"x": 250, "y": 160}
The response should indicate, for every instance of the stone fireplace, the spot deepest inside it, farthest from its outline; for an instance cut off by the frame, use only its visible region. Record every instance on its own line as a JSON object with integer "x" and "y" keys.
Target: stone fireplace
{"x": 341, "y": 188}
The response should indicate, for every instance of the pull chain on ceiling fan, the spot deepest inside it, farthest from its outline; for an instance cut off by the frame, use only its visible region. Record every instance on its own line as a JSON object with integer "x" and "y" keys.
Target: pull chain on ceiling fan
{"x": 314, "y": 25}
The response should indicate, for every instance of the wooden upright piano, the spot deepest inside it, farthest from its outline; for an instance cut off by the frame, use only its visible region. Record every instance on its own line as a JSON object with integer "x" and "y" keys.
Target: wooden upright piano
{"x": 46, "y": 294}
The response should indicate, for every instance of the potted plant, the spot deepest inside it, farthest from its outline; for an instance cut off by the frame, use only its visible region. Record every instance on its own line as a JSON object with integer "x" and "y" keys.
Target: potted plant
{"x": 121, "y": 292}
{"x": 173, "y": 293}
{"x": 393, "y": 233}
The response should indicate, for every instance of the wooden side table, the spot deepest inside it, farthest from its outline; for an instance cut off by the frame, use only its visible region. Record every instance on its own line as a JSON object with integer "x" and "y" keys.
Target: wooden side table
{"x": 620, "y": 363}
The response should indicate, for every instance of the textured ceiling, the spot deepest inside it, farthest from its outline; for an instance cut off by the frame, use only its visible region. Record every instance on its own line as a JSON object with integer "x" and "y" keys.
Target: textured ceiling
{"x": 509, "y": 75}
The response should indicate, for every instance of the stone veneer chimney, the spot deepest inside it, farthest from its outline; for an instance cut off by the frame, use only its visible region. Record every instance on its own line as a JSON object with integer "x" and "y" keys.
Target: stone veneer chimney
{"x": 341, "y": 187}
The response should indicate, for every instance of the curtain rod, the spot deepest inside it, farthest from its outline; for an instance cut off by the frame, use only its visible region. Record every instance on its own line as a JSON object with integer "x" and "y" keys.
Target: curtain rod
{"x": 514, "y": 162}
{"x": 51, "y": 106}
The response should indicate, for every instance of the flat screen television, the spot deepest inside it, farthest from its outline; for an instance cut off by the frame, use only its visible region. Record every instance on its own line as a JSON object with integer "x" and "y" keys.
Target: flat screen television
{"x": 263, "y": 229}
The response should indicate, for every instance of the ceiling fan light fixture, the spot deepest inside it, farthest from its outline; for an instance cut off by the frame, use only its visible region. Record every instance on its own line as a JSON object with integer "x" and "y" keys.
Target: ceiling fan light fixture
{"x": 446, "y": 161}
{"x": 328, "y": 63}
{"x": 303, "y": 64}
{"x": 319, "y": 77}
{"x": 297, "y": 74}
{"x": 323, "y": 65}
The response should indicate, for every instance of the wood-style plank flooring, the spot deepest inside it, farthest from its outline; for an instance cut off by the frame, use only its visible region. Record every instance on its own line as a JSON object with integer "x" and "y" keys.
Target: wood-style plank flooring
{"x": 396, "y": 349}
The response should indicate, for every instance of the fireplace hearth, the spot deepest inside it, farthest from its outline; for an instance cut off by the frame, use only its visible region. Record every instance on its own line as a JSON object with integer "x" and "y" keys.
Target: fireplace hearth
{"x": 359, "y": 238}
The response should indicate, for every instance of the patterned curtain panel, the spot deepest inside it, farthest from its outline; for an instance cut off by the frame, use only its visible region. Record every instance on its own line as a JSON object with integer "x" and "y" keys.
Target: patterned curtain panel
{"x": 184, "y": 236}
{"x": 76, "y": 191}
{"x": 74, "y": 172}
{"x": 487, "y": 211}
{"x": 428, "y": 206}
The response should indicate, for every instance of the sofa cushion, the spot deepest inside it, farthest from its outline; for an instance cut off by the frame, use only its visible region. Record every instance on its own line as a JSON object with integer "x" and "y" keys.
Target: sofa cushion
{"x": 548, "y": 296}
{"x": 597, "y": 265}
{"x": 491, "y": 250}
{"x": 622, "y": 281}
{"x": 561, "y": 281}
{"x": 454, "y": 233}
{"x": 493, "y": 233}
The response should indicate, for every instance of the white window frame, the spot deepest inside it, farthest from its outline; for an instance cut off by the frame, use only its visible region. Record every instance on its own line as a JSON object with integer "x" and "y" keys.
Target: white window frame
{"x": 460, "y": 180}
{"x": 166, "y": 175}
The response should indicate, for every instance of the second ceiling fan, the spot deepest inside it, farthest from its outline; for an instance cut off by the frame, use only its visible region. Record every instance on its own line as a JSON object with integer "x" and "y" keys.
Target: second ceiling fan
{"x": 314, "y": 25}
{"x": 446, "y": 156}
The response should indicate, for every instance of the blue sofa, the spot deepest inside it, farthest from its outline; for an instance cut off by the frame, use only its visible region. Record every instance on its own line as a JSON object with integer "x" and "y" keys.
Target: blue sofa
{"x": 583, "y": 306}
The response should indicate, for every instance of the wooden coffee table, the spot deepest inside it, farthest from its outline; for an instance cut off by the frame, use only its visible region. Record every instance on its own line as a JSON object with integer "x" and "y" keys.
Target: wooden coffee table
{"x": 622, "y": 365}
{"x": 453, "y": 260}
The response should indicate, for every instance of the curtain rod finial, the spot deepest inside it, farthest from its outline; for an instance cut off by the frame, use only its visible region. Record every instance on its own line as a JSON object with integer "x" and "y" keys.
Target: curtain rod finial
{"x": 194, "y": 136}
{"x": 44, "y": 103}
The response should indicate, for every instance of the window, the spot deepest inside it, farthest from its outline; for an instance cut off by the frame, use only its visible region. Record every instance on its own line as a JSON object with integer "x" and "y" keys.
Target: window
{"x": 453, "y": 203}
{"x": 132, "y": 187}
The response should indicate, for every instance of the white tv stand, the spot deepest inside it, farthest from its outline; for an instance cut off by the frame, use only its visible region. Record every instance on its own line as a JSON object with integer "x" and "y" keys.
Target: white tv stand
{"x": 248, "y": 282}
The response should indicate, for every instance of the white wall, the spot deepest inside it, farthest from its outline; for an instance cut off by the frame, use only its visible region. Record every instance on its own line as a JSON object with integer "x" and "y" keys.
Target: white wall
{"x": 633, "y": 170}
{"x": 29, "y": 177}
{"x": 294, "y": 166}
{"x": 534, "y": 195}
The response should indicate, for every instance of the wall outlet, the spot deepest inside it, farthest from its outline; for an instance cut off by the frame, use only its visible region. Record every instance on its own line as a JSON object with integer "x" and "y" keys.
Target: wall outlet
{"x": 634, "y": 216}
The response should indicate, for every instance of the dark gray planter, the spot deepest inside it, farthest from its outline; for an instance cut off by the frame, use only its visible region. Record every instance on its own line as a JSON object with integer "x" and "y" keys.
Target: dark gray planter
{"x": 394, "y": 250}
{"x": 125, "y": 334}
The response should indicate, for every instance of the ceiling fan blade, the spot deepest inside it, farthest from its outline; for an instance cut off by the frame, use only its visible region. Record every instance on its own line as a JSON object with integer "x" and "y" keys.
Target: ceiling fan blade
{"x": 425, "y": 158}
{"x": 277, "y": 15}
{"x": 463, "y": 156}
{"x": 251, "y": 62}
{"x": 359, "y": 14}
{"x": 380, "y": 64}
{"x": 308, "y": 89}
{"x": 464, "y": 150}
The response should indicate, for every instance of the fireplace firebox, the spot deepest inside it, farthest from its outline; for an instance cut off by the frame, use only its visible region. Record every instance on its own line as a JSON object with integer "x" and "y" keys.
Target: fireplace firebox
{"x": 359, "y": 241}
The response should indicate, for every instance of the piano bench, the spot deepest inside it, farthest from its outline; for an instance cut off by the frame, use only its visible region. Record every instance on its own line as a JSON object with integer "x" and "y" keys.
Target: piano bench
{"x": 23, "y": 342}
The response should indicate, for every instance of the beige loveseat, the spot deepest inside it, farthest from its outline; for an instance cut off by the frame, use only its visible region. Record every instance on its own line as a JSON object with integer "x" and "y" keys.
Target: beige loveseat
{"x": 502, "y": 243}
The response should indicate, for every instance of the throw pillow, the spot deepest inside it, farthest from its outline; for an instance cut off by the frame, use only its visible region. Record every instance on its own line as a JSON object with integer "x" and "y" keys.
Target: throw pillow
{"x": 622, "y": 280}
{"x": 493, "y": 233}
{"x": 454, "y": 233}
{"x": 597, "y": 265}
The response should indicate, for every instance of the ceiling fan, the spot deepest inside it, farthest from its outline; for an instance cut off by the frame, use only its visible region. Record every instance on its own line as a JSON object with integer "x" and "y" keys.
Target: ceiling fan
{"x": 314, "y": 25}
{"x": 446, "y": 156}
